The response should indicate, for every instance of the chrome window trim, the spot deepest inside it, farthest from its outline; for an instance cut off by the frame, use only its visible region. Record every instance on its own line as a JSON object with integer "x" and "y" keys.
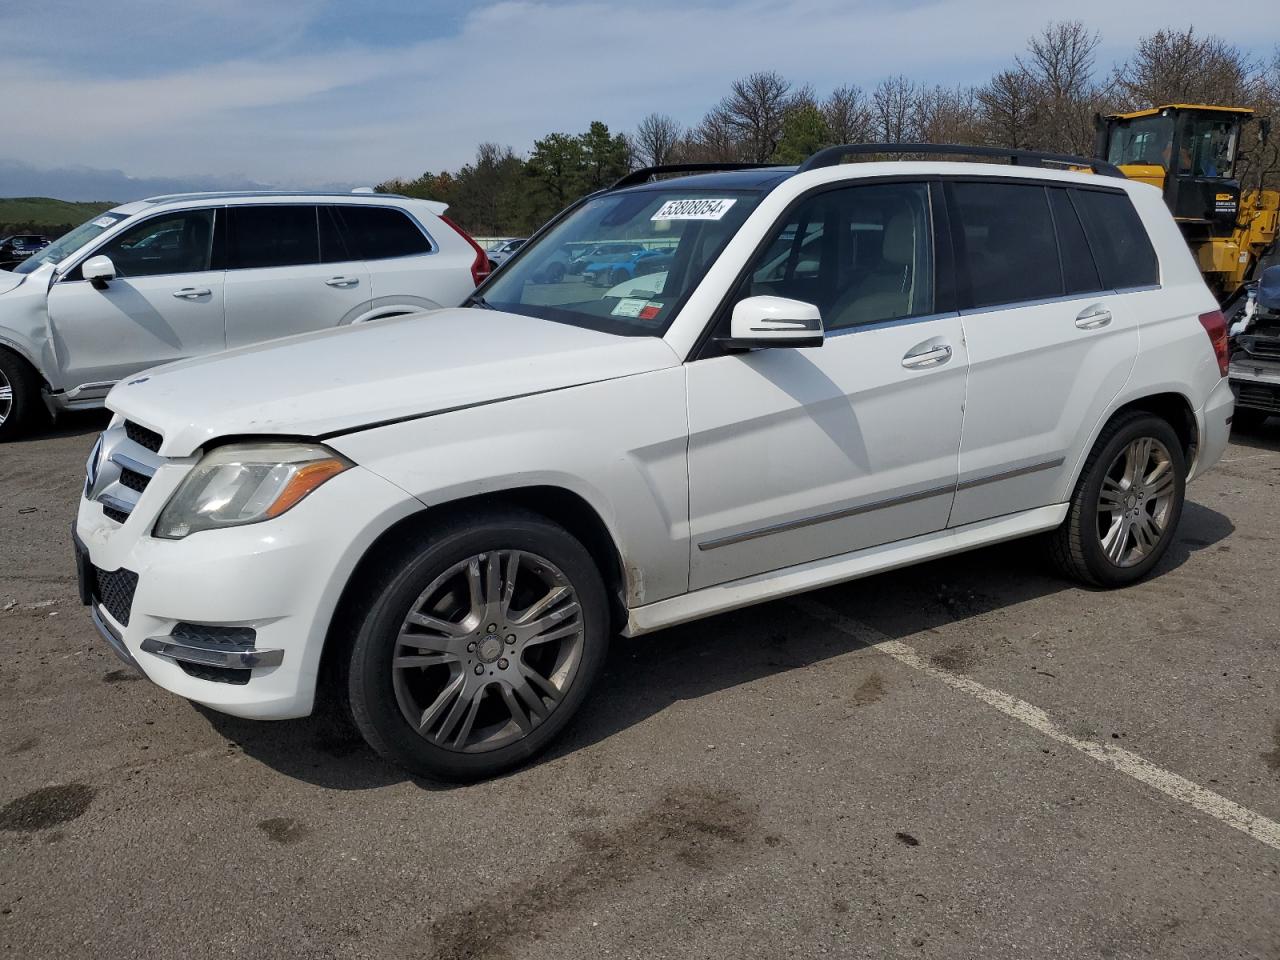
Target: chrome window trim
{"x": 1065, "y": 298}
{"x": 857, "y": 509}
{"x": 895, "y": 322}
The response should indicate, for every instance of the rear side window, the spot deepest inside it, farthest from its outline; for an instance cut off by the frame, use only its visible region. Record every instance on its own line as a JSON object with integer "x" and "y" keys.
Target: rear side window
{"x": 1007, "y": 243}
{"x": 273, "y": 236}
{"x": 1079, "y": 274}
{"x": 378, "y": 233}
{"x": 1121, "y": 247}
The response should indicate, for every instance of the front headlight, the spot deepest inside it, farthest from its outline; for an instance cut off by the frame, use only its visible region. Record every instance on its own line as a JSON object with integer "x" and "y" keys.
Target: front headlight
{"x": 246, "y": 483}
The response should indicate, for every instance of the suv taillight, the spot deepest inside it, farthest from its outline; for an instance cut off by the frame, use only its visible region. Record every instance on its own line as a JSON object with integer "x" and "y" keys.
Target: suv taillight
{"x": 1215, "y": 325}
{"x": 479, "y": 266}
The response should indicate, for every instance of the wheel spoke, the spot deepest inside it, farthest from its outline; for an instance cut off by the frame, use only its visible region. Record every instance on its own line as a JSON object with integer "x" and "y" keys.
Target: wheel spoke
{"x": 1112, "y": 496}
{"x": 1116, "y": 540}
{"x": 447, "y": 627}
{"x": 461, "y": 704}
{"x": 1145, "y": 534}
{"x": 509, "y": 580}
{"x": 533, "y": 632}
{"x": 568, "y": 630}
{"x": 536, "y": 609}
{"x": 475, "y": 587}
{"x": 6, "y": 392}
{"x": 1136, "y": 458}
{"x": 517, "y": 710}
{"x": 523, "y": 689}
{"x": 469, "y": 721}
{"x": 423, "y": 660}
{"x": 451, "y": 692}
{"x": 492, "y": 583}
{"x": 433, "y": 643}
{"x": 1161, "y": 484}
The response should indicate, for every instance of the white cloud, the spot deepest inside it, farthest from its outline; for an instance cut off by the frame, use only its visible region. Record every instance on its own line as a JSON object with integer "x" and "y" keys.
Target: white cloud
{"x": 280, "y": 108}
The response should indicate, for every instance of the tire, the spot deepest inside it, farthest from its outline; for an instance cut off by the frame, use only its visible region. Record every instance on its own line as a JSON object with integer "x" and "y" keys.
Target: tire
{"x": 555, "y": 273}
{"x": 20, "y": 405}
{"x": 499, "y": 714}
{"x": 1137, "y": 529}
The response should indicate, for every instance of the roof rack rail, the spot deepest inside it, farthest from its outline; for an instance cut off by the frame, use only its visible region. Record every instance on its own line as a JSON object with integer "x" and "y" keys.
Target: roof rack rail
{"x": 831, "y": 156}
{"x": 644, "y": 174}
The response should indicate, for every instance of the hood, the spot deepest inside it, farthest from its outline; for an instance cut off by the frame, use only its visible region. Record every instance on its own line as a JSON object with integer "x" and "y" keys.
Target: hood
{"x": 9, "y": 280}
{"x": 351, "y": 377}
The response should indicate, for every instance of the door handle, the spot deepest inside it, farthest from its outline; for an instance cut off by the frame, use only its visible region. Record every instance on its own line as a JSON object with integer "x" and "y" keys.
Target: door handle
{"x": 927, "y": 356}
{"x": 342, "y": 281}
{"x": 192, "y": 293}
{"x": 1093, "y": 317}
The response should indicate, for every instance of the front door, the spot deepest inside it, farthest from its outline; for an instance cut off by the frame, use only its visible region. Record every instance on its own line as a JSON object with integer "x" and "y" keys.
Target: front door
{"x": 801, "y": 454}
{"x": 164, "y": 304}
{"x": 289, "y": 271}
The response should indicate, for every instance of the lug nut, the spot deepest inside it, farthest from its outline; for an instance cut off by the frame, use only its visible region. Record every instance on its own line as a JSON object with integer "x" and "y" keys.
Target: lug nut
{"x": 492, "y": 627}
{"x": 511, "y": 638}
{"x": 502, "y": 664}
{"x": 471, "y": 646}
{"x": 479, "y": 669}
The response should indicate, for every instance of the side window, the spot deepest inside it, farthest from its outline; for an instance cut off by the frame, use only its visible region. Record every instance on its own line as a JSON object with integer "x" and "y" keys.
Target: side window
{"x": 169, "y": 243}
{"x": 861, "y": 254}
{"x": 377, "y": 233}
{"x": 1120, "y": 243}
{"x": 1079, "y": 273}
{"x": 273, "y": 236}
{"x": 1006, "y": 242}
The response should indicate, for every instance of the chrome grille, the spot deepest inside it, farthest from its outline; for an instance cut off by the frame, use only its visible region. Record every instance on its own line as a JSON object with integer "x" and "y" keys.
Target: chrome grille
{"x": 122, "y": 469}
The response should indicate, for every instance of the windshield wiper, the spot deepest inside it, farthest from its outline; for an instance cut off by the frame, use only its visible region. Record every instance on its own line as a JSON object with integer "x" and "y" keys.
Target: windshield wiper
{"x": 476, "y": 300}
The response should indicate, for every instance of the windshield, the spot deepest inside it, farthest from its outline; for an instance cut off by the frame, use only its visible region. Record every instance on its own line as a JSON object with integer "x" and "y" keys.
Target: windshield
{"x": 1208, "y": 147}
{"x": 1145, "y": 140}
{"x": 624, "y": 262}
{"x": 69, "y": 243}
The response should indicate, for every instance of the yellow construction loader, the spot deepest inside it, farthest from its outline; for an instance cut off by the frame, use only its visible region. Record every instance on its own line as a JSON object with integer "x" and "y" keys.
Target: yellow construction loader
{"x": 1190, "y": 152}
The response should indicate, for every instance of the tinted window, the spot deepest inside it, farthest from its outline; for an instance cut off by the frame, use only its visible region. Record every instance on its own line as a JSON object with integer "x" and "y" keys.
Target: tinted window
{"x": 375, "y": 233}
{"x": 1078, "y": 271}
{"x": 333, "y": 248}
{"x": 861, "y": 254}
{"x": 170, "y": 243}
{"x": 273, "y": 236}
{"x": 1120, "y": 244}
{"x": 1006, "y": 239}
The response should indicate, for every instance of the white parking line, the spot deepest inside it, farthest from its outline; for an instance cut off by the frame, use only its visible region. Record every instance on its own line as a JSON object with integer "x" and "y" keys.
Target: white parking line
{"x": 1171, "y": 784}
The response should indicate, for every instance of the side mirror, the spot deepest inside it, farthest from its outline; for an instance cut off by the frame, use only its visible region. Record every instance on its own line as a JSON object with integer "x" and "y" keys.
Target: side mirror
{"x": 98, "y": 270}
{"x": 773, "y": 322}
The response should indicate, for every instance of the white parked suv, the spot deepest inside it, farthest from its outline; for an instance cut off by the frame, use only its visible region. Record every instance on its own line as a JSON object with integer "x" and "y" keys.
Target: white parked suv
{"x": 187, "y": 275}
{"x": 448, "y": 516}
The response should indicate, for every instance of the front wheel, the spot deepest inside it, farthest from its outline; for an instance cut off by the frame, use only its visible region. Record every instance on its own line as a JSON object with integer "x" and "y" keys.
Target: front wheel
{"x": 1126, "y": 505}
{"x": 20, "y": 404}
{"x": 477, "y": 651}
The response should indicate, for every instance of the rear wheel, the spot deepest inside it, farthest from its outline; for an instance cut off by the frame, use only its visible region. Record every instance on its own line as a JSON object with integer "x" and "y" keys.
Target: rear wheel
{"x": 479, "y": 648}
{"x": 20, "y": 404}
{"x": 1126, "y": 505}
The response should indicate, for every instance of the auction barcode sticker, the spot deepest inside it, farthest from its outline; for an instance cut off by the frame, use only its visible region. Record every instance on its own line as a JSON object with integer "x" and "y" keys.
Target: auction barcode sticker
{"x": 699, "y": 209}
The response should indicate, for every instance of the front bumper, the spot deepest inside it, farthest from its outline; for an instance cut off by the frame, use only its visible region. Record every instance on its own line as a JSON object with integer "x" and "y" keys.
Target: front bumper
{"x": 278, "y": 582}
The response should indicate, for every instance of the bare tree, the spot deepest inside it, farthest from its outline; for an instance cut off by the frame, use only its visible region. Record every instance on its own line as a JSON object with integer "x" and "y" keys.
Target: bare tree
{"x": 892, "y": 109}
{"x": 1058, "y": 69}
{"x": 1005, "y": 110}
{"x": 711, "y": 140}
{"x": 753, "y": 113}
{"x": 848, "y": 115}
{"x": 656, "y": 139}
{"x": 942, "y": 115}
{"x": 1176, "y": 66}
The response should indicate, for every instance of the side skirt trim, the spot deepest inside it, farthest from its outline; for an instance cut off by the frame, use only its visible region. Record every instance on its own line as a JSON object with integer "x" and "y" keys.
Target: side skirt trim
{"x": 775, "y": 584}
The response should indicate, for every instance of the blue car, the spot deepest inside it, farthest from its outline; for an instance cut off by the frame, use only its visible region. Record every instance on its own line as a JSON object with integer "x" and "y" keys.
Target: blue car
{"x": 614, "y": 269}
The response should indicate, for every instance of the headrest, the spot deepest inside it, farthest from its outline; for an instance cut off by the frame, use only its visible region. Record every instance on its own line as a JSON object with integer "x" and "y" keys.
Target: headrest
{"x": 899, "y": 239}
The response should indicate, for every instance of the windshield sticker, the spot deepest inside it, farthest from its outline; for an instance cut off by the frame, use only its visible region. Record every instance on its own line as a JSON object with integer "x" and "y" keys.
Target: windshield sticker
{"x": 629, "y": 307}
{"x": 703, "y": 209}
{"x": 104, "y": 222}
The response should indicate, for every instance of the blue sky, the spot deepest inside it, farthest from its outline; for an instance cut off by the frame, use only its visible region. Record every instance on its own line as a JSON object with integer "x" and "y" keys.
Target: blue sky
{"x": 309, "y": 91}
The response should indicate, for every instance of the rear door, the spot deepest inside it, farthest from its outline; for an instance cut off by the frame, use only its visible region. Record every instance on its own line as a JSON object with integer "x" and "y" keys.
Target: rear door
{"x": 1051, "y": 336}
{"x": 289, "y": 271}
{"x": 407, "y": 267}
{"x": 166, "y": 302}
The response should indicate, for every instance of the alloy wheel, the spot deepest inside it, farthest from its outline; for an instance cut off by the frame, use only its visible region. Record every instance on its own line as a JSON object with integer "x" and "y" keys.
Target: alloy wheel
{"x": 1136, "y": 502}
{"x": 488, "y": 651}
{"x": 6, "y": 397}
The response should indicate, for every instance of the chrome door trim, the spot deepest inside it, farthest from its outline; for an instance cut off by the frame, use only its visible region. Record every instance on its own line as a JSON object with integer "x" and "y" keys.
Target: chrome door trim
{"x": 844, "y": 512}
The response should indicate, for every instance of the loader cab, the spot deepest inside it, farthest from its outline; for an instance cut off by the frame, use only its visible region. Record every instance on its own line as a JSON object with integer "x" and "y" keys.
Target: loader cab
{"x": 1189, "y": 152}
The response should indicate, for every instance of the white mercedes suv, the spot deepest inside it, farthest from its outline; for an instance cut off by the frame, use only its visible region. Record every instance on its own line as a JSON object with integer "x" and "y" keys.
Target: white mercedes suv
{"x": 839, "y": 369}
{"x": 191, "y": 274}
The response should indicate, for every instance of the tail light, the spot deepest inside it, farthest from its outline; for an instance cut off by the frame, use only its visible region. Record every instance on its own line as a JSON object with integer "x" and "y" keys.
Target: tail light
{"x": 1215, "y": 325}
{"x": 479, "y": 266}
